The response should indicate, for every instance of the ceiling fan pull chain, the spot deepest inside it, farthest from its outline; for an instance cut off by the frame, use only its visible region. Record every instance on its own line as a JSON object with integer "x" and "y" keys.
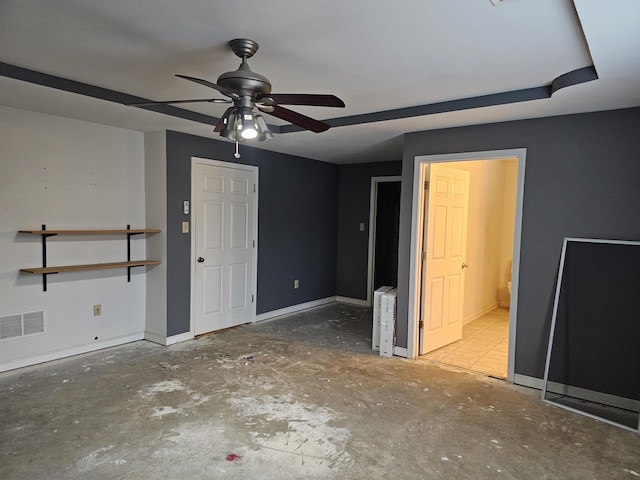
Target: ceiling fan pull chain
{"x": 237, "y": 154}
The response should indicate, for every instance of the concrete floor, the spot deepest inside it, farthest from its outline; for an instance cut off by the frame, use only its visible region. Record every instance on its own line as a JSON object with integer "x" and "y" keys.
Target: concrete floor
{"x": 300, "y": 397}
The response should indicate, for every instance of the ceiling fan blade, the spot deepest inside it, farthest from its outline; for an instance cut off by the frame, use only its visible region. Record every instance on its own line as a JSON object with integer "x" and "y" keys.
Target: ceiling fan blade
{"x": 297, "y": 118}
{"x": 220, "y": 124}
{"x": 209, "y": 84}
{"x": 318, "y": 100}
{"x": 169, "y": 102}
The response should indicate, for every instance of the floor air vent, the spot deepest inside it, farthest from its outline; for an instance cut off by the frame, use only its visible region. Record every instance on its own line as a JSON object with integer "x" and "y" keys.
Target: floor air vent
{"x": 21, "y": 325}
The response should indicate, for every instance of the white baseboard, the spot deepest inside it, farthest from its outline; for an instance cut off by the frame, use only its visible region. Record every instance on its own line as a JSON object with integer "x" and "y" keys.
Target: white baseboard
{"x": 155, "y": 338}
{"x": 163, "y": 340}
{"x": 527, "y": 381}
{"x": 477, "y": 315}
{"x": 181, "y": 337}
{"x": 353, "y": 301}
{"x": 294, "y": 308}
{"x": 400, "y": 352}
{"x": 579, "y": 393}
{"x": 70, "y": 352}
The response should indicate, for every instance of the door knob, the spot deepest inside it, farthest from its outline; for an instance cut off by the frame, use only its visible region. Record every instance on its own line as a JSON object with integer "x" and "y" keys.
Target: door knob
{"x": 465, "y": 265}
{"x": 200, "y": 259}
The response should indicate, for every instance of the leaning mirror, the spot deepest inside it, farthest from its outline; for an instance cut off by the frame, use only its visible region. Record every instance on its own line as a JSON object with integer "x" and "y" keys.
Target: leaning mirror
{"x": 593, "y": 356}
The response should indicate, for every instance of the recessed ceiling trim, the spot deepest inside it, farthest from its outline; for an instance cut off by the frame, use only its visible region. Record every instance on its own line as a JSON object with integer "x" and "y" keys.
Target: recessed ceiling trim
{"x": 59, "y": 83}
{"x": 575, "y": 77}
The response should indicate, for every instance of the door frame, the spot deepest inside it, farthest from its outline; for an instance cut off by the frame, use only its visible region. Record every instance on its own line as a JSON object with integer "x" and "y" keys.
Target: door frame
{"x": 416, "y": 242}
{"x": 373, "y": 213}
{"x": 254, "y": 259}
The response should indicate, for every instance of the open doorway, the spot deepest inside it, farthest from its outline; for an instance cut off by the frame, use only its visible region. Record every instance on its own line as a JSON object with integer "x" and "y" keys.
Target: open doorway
{"x": 486, "y": 245}
{"x": 490, "y": 264}
{"x": 384, "y": 231}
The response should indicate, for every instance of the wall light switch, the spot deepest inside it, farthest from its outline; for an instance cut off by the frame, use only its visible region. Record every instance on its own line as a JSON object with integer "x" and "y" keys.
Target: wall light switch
{"x": 185, "y": 207}
{"x": 296, "y": 284}
{"x": 185, "y": 227}
{"x": 362, "y": 227}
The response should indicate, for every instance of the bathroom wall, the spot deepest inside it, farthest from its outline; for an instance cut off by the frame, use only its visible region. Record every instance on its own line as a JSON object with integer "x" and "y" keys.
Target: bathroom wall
{"x": 508, "y": 228}
{"x": 485, "y": 227}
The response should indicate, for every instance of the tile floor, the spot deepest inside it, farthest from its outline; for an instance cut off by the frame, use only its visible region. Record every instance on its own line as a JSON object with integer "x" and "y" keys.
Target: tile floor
{"x": 483, "y": 348}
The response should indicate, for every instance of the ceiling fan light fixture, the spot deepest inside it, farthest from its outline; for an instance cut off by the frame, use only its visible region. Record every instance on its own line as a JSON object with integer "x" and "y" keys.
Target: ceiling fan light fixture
{"x": 230, "y": 126}
{"x": 242, "y": 123}
{"x": 247, "y": 124}
{"x": 264, "y": 134}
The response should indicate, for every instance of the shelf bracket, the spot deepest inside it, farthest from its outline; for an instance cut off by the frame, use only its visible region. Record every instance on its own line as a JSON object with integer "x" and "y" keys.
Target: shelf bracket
{"x": 129, "y": 235}
{"x": 129, "y": 252}
{"x": 44, "y": 256}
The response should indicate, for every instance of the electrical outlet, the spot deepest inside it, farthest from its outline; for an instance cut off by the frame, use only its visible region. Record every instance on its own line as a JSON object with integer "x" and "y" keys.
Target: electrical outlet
{"x": 296, "y": 283}
{"x": 97, "y": 310}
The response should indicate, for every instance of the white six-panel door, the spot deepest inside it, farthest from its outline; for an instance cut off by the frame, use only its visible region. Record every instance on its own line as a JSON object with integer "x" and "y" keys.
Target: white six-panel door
{"x": 443, "y": 269}
{"x": 224, "y": 213}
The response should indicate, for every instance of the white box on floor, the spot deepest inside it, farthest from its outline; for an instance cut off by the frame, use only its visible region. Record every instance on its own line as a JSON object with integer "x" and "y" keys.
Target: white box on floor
{"x": 387, "y": 323}
{"x": 375, "y": 334}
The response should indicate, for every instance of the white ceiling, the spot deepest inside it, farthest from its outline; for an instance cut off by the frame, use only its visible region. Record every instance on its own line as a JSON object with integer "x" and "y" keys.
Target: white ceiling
{"x": 374, "y": 54}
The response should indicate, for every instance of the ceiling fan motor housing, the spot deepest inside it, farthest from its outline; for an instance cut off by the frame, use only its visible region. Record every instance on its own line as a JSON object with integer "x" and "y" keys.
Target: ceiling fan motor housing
{"x": 244, "y": 80}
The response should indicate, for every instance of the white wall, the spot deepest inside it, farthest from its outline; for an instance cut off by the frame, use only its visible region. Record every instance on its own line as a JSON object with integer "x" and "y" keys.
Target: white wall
{"x": 155, "y": 147}
{"x": 69, "y": 174}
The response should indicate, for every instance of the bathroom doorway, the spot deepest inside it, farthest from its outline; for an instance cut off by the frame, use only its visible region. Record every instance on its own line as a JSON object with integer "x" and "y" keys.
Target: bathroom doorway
{"x": 492, "y": 258}
{"x": 484, "y": 343}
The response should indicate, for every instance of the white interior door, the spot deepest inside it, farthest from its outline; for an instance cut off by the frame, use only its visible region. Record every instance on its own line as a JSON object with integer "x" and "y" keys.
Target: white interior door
{"x": 224, "y": 213}
{"x": 444, "y": 249}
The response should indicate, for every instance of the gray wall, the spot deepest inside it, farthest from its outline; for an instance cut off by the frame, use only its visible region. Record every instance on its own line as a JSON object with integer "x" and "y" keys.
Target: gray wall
{"x": 354, "y": 194}
{"x": 297, "y": 225}
{"x": 581, "y": 180}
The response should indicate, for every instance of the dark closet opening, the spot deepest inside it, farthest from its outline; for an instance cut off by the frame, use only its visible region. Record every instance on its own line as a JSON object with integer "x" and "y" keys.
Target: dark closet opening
{"x": 387, "y": 233}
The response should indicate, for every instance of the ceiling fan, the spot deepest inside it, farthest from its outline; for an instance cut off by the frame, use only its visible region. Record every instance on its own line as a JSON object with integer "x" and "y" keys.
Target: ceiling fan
{"x": 248, "y": 90}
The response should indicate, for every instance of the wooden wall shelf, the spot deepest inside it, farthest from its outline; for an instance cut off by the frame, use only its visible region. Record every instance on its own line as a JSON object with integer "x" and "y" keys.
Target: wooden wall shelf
{"x": 90, "y": 266}
{"x": 129, "y": 264}
{"x": 132, "y": 231}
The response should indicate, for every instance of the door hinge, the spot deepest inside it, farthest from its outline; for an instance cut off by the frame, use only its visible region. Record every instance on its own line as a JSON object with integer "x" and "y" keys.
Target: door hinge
{"x": 254, "y": 188}
{"x": 426, "y": 184}
{"x": 254, "y": 244}
{"x": 252, "y": 298}
{"x": 421, "y": 324}
{"x": 424, "y": 256}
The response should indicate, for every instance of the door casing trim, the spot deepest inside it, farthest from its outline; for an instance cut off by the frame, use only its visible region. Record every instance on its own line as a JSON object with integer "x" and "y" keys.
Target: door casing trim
{"x": 254, "y": 286}
{"x": 414, "y": 270}
{"x": 373, "y": 212}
